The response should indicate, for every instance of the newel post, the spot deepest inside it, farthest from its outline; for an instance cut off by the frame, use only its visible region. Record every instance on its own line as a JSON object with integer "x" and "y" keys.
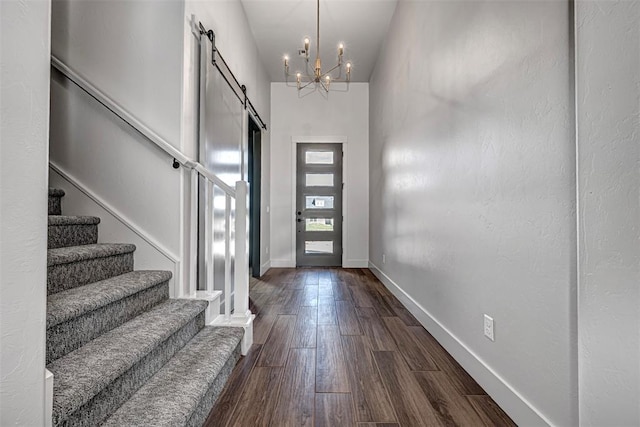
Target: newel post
{"x": 241, "y": 251}
{"x": 241, "y": 273}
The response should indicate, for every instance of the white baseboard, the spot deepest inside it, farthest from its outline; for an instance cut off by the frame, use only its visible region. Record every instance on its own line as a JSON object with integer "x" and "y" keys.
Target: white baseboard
{"x": 48, "y": 398}
{"x": 264, "y": 267}
{"x": 350, "y": 263}
{"x": 513, "y": 403}
{"x": 283, "y": 263}
{"x": 355, "y": 263}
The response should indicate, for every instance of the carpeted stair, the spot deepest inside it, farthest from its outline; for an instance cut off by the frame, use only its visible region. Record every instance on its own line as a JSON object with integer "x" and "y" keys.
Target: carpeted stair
{"x": 122, "y": 353}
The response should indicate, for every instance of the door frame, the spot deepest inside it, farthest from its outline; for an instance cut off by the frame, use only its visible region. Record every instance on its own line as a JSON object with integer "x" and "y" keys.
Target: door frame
{"x": 331, "y": 139}
{"x": 255, "y": 194}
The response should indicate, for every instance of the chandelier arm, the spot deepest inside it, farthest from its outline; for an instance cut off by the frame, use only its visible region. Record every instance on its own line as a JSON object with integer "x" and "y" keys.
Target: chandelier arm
{"x": 329, "y": 71}
{"x": 308, "y": 83}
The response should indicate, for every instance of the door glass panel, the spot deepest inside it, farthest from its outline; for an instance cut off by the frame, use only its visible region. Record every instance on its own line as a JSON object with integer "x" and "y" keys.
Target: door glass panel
{"x": 318, "y": 224}
{"x": 319, "y": 202}
{"x": 318, "y": 157}
{"x": 319, "y": 179}
{"x": 318, "y": 247}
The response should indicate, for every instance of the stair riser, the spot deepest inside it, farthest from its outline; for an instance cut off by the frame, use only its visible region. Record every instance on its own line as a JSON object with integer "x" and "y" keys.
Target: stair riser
{"x": 61, "y": 277}
{"x": 55, "y": 205}
{"x": 68, "y": 336}
{"x": 62, "y": 236}
{"x": 201, "y": 413}
{"x": 120, "y": 390}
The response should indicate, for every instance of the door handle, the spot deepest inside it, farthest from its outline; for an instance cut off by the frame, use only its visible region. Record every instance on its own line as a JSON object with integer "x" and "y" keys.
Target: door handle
{"x": 299, "y": 219}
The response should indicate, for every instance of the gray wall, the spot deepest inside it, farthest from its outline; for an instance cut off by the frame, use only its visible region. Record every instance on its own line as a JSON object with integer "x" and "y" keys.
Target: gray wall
{"x": 132, "y": 51}
{"x": 608, "y": 106}
{"x": 24, "y": 133}
{"x": 472, "y": 191}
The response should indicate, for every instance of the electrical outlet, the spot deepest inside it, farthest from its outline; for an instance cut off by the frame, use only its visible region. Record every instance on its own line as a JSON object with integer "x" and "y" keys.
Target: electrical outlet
{"x": 384, "y": 258}
{"x": 488, "y": 327}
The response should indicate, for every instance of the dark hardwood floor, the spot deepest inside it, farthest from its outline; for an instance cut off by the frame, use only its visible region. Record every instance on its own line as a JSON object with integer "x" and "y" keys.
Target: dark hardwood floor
{"x": 333, "y": 347}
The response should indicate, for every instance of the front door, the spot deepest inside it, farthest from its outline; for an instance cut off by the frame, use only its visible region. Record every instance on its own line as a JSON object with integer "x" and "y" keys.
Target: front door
{"x": 319, "y": 205}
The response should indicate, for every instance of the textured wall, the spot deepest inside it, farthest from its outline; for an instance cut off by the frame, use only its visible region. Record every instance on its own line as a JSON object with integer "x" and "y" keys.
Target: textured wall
{"x": 24, "y": 131}
{"x": 608, "y": 83}
{"x": 342, "y": 114}
{"x": 472, "y": 188}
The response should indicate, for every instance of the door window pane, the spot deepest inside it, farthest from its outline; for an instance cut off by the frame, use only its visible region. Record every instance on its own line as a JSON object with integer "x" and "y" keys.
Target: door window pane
{"x": 318, "y": 157}
{"x": 318, "y": 224}
{"x": 318, "y": 247}
{"x": 319, "y": 202}
{"x": 319, "y": 180}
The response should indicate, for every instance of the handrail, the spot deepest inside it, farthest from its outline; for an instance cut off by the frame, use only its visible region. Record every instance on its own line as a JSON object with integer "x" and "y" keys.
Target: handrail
{"x": 136, "y": 124}
{"x": 215, "y": 179}
{"x": 237, "y": 311}
{"x": 119, "y": 111}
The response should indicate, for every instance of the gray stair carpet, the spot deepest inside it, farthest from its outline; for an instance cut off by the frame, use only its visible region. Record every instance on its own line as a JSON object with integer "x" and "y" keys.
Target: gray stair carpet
{"x": 185, "y": 389}
{"x": 78, "y": 265}
{"x": 72, "y": 231}
{"x": 91, "y": 382}
{"x": 78, "y": 315}
{"x": 113, "y": 333}
{"x": 55, "y": 204}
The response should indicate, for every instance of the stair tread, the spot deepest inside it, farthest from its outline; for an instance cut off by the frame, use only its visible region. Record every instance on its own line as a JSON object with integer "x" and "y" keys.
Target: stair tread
{"x": 70, "y": 254}
{"x": 56, "y": 192}
{"x": 73, "y": 220}
{"x": 75, "y": 302}
{"x": 173, "y": 393}
{"x": 83, "y": 373}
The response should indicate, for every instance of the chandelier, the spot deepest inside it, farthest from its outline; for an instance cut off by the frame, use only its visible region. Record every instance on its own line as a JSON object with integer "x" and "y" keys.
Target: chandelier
{"x": 316, "y": 79}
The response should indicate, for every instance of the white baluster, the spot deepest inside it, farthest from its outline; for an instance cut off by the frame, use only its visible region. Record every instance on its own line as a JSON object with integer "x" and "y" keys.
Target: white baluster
{"x": 208, "y": 240}
{"x": 227, "y": 258}
{"x": 193, "y": 247}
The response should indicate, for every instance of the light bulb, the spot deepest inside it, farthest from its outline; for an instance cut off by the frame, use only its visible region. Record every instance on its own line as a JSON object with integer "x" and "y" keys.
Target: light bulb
{"x": 340, "y": 49}
{"x": 286, "y": 61}
{"x": 307, "y": 43}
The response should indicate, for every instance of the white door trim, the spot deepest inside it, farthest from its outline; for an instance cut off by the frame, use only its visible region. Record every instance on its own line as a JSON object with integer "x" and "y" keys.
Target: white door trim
{"x": 332, "y": 139}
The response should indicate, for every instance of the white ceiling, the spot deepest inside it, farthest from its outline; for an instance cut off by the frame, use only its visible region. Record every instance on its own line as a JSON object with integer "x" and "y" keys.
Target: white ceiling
{"x": 279, "y": 26}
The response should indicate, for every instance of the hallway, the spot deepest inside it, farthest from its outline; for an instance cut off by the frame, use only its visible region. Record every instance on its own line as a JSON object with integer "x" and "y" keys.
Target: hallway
{"x": 333, "y": 347}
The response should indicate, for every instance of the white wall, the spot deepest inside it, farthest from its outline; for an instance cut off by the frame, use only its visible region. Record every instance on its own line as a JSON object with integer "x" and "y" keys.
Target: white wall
{"x": 342, "y": 114}
{"x": 132, "y": 51}
{"x": 472, "y": 166}
{"x": 235, "y": 42}
{"x": 24, "y": 130}
{"x": 608, "y": 107}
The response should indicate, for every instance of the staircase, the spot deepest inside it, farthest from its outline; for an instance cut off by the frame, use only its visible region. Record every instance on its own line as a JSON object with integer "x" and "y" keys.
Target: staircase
{"x": 122, "y": 353}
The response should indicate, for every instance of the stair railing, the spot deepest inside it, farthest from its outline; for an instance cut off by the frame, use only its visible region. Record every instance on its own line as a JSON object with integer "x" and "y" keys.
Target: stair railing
{"x": 236, "y": 311}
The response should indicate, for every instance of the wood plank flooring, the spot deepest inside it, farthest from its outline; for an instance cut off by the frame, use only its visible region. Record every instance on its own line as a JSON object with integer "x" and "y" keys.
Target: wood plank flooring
{"x": 333, "y": 347}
